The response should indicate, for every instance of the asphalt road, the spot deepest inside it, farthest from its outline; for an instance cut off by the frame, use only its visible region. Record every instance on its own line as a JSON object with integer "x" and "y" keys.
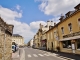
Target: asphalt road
{"x": 35, "y": 54}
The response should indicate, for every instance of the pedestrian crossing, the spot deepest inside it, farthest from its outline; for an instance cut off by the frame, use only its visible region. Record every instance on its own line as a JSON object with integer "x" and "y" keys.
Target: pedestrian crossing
{"x": 48, "y": 55}
{"x": 39, "y": 55}
{"x": 55, "y": 55}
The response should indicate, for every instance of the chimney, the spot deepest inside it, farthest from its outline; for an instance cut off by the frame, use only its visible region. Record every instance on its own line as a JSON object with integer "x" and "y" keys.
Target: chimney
{"x": 41, "y": 26}
{"x": 48, "y": 23}
{"x": 54, "y": 24}
{"x": 61, "y": 18}
{"x": 51, "y": 23}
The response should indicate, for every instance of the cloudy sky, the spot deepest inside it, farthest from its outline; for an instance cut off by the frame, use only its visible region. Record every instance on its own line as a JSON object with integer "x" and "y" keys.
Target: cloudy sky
{"x": 26, "y": 15}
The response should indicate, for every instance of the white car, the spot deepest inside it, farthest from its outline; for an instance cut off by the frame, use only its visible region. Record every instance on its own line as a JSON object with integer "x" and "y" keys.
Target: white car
{"x": 13, "y": 48}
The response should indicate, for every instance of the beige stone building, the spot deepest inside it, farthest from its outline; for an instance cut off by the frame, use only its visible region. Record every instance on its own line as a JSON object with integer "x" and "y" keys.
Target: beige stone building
{"x": 40, "y": 37}
{"x": 66, "y": 33}
{"x": 18, "y": 39}
{"x": 36, "y": 41}
{"x": 31, "y": 42}
{"x": 69, "y": 31}
{"x": 52, "y": 38}
{"x": 6, "y": 31}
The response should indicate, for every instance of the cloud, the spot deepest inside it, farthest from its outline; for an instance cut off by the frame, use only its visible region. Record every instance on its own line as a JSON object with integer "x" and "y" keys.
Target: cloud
{"x": 22, "y": 28}
{"x": 35, "y": 24}
{"x": 57, "y": 7}
{"x": 18, "y": 7}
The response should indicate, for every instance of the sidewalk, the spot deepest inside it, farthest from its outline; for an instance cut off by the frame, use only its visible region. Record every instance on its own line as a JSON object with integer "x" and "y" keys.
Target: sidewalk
{"x": 15, "y": 56}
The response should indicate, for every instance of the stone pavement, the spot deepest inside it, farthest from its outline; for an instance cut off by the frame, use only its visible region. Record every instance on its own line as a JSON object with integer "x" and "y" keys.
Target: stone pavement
{"x": 15, "y": 55}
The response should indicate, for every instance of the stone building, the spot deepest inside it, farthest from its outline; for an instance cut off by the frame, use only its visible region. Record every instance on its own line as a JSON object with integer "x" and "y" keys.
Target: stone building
{"x": 69, "y": 31}
{"x": 66, "y": 33}
{"x": 40, "y": 37}
{"x": 6, "y": 32}
{"x": 52, "y": 38}
{"x": 31, "y": 42}
{"x": 36, "y": 41}
{"x": 18, "y": 39}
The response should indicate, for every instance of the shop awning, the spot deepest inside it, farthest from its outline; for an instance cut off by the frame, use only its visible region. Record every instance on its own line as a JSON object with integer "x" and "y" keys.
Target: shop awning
{"x": 70, "y": 38}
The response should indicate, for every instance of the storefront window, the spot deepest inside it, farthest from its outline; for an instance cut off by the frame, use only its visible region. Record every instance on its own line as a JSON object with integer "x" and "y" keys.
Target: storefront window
{"x": 78, "y": 44}
{"x": 67, "y": 44}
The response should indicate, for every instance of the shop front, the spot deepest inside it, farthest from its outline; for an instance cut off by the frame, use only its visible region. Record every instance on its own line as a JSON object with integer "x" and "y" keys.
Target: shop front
{"x": 70, "y": 44}
{"x": 43, "y": 44}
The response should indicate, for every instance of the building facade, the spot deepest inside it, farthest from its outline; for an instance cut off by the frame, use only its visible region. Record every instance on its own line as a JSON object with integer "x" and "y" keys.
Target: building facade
{"x": 69, "y": 31}
{"x": 66, "y": 33}
{"x": 41, "y": 41}
{"x": 63, "y": 36}
{"x": 31, "y": 42}
{"x": 36, "y": 41}
{"x": 18, "y": 39}
{"x": 6, "y": 32}
{"x": 52, "y": 38}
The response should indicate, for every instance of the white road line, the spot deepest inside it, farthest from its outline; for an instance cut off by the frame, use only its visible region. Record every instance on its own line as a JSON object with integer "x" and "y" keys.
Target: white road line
{"x": 29, "y": 55}
{"x": 40, "y": 55}
{"x": 52, "y": 54}
{"x": 46, "y": 54}
{"x": 35, "y": 55}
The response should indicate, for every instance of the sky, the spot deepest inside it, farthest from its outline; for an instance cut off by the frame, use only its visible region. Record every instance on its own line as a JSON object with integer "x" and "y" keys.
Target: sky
{"x": 26, "y": 15}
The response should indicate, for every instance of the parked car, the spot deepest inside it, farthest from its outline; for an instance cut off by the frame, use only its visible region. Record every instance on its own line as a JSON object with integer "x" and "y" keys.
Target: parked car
{"x": 13, "y": 48}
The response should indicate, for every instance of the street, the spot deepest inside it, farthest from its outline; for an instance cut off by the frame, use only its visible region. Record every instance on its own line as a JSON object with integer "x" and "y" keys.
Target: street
{"x": 35, "y": 54}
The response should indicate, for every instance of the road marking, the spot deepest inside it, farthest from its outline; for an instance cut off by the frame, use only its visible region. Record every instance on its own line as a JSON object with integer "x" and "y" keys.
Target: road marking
{"x": 40, "y": 55}
{"x": 47, "y": 54}
{"x": 35, "y": 55}
{"x": 29, "y": 55}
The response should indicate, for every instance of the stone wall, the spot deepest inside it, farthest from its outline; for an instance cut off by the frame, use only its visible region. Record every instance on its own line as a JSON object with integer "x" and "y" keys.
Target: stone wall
{"x": 5, "y": 41}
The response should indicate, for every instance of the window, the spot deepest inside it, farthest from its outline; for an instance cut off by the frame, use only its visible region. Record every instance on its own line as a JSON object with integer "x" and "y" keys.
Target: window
{"x": 79, "y": 22}
{"x": 70, "y": 27}
{"x": 0, "y": 29}
{"x": 54, "y": 34}
{"x": 62, "y": 29}
{"x": 78, "y": 44}
{"x": 48, "y": 36}
{"x": 51, "y": 35}
{"x": 67, "y": 44}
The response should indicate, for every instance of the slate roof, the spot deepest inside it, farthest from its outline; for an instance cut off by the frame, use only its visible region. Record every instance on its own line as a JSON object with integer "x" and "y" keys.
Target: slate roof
{"x": 17, "y": 35}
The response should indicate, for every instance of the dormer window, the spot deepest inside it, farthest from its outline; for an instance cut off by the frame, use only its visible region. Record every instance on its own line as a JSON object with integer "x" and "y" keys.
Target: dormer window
{"x": 70, "y": 27}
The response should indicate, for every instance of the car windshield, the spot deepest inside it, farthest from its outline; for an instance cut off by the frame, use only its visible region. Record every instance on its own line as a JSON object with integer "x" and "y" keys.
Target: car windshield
{"x": 12, "y": 47}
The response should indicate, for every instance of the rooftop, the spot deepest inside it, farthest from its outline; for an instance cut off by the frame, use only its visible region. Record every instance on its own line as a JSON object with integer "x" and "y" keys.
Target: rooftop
{"x": 17, "y": 35}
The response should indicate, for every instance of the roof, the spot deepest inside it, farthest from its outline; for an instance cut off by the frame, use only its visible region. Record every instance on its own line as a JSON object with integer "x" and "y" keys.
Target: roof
{"x": 17, "y": 35}
{"x": 77, "y": 6}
